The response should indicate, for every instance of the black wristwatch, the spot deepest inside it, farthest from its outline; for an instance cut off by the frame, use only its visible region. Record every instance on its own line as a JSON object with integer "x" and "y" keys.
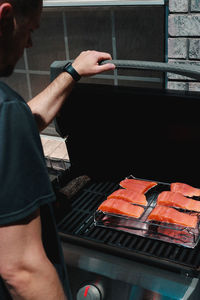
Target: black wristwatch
{"x": 69, "y": 69}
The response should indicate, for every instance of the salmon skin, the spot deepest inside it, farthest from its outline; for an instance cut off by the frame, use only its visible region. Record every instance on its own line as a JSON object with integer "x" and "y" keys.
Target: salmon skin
{"x": 171, "y": 215}
{"x": 118, "y": 206}
{"x": 185, "y": 189}
{"x": 174, "y": 199}
{"x": 140, "y": 186}
{"x": 130, "y": 196}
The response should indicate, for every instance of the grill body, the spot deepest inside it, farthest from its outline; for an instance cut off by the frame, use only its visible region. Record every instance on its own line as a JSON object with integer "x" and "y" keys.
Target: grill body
{"x": 112, "y": 132}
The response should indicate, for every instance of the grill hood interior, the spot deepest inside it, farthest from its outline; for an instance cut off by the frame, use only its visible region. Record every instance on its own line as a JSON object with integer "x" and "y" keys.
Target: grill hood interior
{"x": 114, "y": 131}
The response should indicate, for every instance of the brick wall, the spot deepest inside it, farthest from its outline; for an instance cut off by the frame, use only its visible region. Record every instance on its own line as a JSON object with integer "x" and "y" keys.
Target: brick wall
{"x": 184, "y": 40}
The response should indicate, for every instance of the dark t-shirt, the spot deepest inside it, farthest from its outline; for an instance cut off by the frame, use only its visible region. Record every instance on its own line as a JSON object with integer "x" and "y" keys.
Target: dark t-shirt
{"x": 24, "y": 181}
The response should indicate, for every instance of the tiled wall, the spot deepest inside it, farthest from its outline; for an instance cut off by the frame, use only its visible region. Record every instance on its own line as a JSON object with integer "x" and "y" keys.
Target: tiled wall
{"x": 126, "y": 32}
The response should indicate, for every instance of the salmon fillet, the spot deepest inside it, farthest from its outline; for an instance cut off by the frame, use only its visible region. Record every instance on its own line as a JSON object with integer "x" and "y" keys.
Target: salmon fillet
{"x": 130, "y": 196}
{"x": 185, "y": 189}
{"x": 118, "y": 206}
{"x": 174, "y": 199}
{"x": 171, "y": 215}
{"x": 140, "y": 186}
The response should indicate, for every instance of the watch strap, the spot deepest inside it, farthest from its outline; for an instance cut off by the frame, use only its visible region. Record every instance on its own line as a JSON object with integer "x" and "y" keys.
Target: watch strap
{"x": 69, "y": 69}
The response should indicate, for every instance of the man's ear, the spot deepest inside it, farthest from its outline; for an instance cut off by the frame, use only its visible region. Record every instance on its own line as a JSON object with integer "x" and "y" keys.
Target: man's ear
{"x": 6, "y": 18}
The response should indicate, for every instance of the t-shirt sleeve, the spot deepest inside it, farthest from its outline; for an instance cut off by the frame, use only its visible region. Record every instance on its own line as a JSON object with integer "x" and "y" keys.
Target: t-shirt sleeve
{"x": 24, "y": 181}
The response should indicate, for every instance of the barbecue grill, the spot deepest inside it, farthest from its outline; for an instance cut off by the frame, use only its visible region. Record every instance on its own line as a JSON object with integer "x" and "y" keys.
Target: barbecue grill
{"x": 112, "y": 132}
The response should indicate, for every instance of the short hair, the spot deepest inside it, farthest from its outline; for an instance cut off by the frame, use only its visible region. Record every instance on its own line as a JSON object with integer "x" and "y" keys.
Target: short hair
{"x": 24, "y": 7}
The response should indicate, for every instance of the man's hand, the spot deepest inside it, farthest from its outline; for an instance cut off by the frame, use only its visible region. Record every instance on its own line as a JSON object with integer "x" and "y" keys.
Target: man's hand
{"x": 87, "y": 63}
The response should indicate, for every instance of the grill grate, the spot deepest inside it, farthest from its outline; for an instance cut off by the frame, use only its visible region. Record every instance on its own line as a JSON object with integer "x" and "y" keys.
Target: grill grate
{"x": 78, "y": 223}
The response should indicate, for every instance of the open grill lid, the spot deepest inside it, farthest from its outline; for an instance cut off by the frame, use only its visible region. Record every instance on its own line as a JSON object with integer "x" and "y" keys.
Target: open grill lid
{"x": 113, "y": 131}
{"x": 116, "y": 131}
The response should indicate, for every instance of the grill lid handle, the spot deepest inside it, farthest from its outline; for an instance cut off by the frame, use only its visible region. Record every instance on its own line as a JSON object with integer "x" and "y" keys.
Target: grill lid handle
{"x": 188, "y": 70}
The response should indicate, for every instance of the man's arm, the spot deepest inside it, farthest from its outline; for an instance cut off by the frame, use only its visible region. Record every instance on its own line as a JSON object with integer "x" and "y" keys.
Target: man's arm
{"x": 47, "y": 104}
{"x": 24, "y": 266}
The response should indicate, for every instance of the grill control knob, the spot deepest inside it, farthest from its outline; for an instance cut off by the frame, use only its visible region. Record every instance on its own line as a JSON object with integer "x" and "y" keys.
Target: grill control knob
{"x": 89, "y": 292}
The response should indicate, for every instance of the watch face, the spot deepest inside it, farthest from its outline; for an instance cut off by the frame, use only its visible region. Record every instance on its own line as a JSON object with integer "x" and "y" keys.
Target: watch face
{"x": 67, "y": 65}
{"x": 69, "y": 69}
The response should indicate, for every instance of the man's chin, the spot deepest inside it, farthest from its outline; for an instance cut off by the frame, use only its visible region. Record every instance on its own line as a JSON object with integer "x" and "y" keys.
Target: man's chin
{"x": 7, "y": 71}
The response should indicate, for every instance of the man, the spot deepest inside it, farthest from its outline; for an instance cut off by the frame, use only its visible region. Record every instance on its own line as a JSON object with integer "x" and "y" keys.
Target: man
{"x": 31, "y": 261}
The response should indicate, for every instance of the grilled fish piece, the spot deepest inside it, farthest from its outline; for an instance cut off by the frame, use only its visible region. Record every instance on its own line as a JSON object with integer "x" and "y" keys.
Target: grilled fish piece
{"x": 185, "y": 189}
{"x": 121, "y": 207}
{"x": 171, "y": 215}
{"x": 137, "y": 185}
{"x": 130, "y": 196}
{"x": 174, "y": 199}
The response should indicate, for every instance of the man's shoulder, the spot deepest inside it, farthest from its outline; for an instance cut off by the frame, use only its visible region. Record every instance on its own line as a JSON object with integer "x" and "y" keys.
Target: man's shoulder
{"x": 7, "y": 94}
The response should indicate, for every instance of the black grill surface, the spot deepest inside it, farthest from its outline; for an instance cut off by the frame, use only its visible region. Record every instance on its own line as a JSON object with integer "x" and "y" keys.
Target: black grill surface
{"x": 78, "y": 227}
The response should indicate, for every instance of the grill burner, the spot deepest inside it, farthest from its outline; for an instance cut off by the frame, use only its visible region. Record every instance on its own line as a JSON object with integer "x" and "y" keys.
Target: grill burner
{"x": 78, "y": 226}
